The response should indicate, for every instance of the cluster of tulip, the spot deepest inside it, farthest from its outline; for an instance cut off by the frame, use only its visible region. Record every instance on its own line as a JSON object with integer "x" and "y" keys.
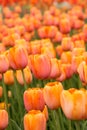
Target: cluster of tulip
{"x": 43, "y": 66}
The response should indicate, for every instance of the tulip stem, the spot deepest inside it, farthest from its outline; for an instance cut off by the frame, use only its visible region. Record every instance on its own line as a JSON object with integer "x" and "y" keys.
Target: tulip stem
{"x": 61, "y": 118}
{"x": 18, "y": 95}
{"x": 56, "y": 120}
{"x": 77, "y": 125}
{"x": 5, "y": 93}
{"x": 69, "y": 124}
{"x": 25, "y": 85}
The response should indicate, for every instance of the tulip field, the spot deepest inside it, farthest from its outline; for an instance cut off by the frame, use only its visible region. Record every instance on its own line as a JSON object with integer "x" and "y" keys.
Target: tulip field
{"x": 43, "y": 65}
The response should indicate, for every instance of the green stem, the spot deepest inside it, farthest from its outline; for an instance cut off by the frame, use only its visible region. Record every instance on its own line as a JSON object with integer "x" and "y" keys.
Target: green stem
{"x": 69, "y": 124}
{"x": 25, "y": 85}
{"x": 56, "y": 120}
{"x": 77, "y": 125}
{"x": 18, "y": 96}
{"x": 84, "y": 125}
{"x": 5, "y": 93}
{"x": 61, "y": 118}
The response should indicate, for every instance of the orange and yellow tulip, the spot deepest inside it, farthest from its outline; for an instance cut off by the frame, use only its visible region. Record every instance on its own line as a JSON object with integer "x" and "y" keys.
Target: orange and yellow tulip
{"x": 34, "y": 99}
{"x": 9, "y": 77}
{"x": 52, "y": 92}
{"x": 34, "y": 120}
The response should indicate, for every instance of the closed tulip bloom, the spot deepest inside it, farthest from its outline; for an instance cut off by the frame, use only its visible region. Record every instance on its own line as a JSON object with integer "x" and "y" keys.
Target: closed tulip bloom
{"x": 52, "y": 93}
{"x": 34, "y": 99}
{"x": 67, "y": 44}
{"x": 50, "y": 51}
{"x": 79, "y": 44}
{"x": 66, "y": 57}
{"x": 55, "y": 68}
{"x": 76, "y": 60}
{"x": 34, "y": 120}
{"x": 35, "y": 47}
{"x": 40, "y": 65}
{"x": 82, "y": 71}
{"x": 64, "y": 25}
{"x": 3, "y": 119}
{"x": 73, "y": 104}
{"x": 18, "y": 57}
{"x": 59, "y": 50}
{"x": 27, "y": 74}
{"x": 4, "y": 63}
{"x": 78, "y": 51}
{"x": 9, "y": 77}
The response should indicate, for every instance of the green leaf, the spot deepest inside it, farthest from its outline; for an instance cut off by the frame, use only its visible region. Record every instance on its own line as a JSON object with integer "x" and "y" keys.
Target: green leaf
{"x": 15, "y": 125}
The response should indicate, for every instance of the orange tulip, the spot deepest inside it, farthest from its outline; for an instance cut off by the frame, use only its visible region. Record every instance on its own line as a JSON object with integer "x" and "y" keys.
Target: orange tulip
{"x": 50, "y": 51}
{"x": 79, "y": 44}
{"x": 66, "y": 57}
{"x": 78, "y": 51}
{"x": 52, "y": 93}
{"x": 40, "y": 65}
{"x": 35, "y": 47}
{"x": 4, "y": 63}
{"x": 82, "y": 70}
{"x": 33, "y": 99}
{"x": 58, "y": 37}
{"x": 59, "y": 50}
{"x": 27, "y": 74}
{"x": 55, "y": 68}
{"x": 73, "y": 104}
{"x": 34, "y": 120}
{"x": 64, "y": 25}
{"x": 47, "y": 31}
{"x": 8, "y": 77}
{"x": 18, "y": 57}
{"x": 3, "y": 119}
{"x": 76, "y": 60}
{"x": 67, "y": 44}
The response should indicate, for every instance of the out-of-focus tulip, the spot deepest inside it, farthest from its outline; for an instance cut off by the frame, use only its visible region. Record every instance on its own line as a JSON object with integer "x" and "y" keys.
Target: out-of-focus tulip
{"x": 18, "y": 57}
{"x": 58, "y": 37}
{"x": 35, "y": 47}
{"x": 50, "y": 51}
{"x": 64, "y": 25}
{"x": 34, "y": 120}
{"x": 55, "y": 68}
{"x": 3, "y": 119}
{"x": 4, "y": 63}
{"x": 40, "y": 65}
{"x": 82, "y": 70}
{"x": 47, "y": 31}
{"x": 67, "y": 44}
{"x": 8, "y": 77}
{"x": 59, "y": 50}
{"x": 52, "y": 92}
{"x": 66, "y": 57}
{"x": 27, "y": 74}
{"x": 78, "y": 51}
{"x": 34, "y": 99}
{"x": 76, "y": 60}
{"x": 79, "y": 44}
{"x": 73, "y": 104}
{"x": 45, "y": 112}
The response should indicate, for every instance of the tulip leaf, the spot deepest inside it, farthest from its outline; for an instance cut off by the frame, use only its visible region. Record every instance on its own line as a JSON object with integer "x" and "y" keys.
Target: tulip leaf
{"x": 15, "y": 125}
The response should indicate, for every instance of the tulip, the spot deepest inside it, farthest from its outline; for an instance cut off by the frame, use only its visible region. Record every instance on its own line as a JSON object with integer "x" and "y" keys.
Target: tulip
{"x": 33, "y": 99}
{"x": 40, "y": 65}
{"x": 79, "y": 44}
{"x": 59, "y": 50}
{"x": 82, "y": 71}
{"x": 66, "y": 57}
{"x": 3, "y": 119}
{"x": 27, "y": 74}
{"x": 18, "y": 57}
{"x": 50, "y": 51}
{"x": 67, "y": 44}
{"x": 52, "y": 93}
{"x": 55, "y": 68}
{"x": 78, "y": 51}
{"x": 4, "y": 63}
{"x": 64, "y": 25}
{"x": 35, "y": 47}
{"x": 76, "y": 60}
{"x": 8, "y": 77}
{"x": 34, "y": 120}
{"x": 73, "y": 104}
